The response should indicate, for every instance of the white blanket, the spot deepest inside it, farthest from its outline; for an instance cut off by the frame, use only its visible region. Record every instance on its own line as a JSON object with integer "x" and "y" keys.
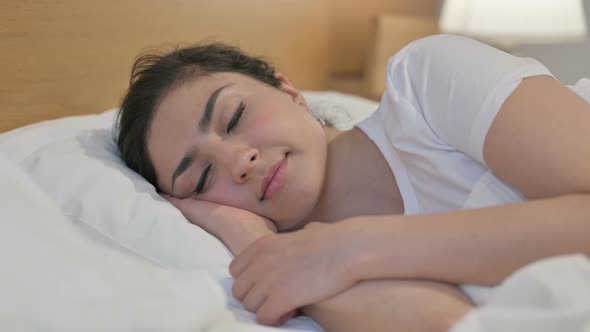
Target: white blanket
{"x": 551, "y": 295}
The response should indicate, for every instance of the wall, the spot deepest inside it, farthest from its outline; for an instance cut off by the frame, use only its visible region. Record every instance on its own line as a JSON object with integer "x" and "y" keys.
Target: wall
{"x": 568, "y": 62}
{"x": 351, "y": 22}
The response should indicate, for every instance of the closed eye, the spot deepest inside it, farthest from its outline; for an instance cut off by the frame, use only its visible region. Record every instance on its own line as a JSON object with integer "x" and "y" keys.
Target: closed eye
{"x": 236, "y": 118}
{"x": 231, "y": 125}
{"x": 203, "y": 180}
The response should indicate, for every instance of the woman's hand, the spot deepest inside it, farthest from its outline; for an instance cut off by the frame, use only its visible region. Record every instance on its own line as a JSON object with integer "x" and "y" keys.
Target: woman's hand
{"x": 278, "y": 274}
{"x": 237, "y": 228}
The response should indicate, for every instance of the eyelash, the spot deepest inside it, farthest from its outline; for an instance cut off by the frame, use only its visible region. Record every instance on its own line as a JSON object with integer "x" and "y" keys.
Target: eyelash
{"x": 232, "y": 124}
{"x": 202, "y": 180}
{"x": 236, "y": 118}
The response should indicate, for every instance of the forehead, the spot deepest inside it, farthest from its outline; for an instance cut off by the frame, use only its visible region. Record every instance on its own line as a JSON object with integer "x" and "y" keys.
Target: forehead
{"x": 196, "y": 92}
{"x": 188, "y": 100}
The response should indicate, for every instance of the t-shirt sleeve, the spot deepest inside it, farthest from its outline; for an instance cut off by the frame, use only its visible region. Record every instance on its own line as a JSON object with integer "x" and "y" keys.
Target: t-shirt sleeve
{"x": 457, "y": 85}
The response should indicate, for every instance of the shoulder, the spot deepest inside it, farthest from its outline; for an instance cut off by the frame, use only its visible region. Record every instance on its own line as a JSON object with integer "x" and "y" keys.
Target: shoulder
{"x": 437, "y": 44}
{"x": 440, "y": 58}
{"x": 440, "y": 41}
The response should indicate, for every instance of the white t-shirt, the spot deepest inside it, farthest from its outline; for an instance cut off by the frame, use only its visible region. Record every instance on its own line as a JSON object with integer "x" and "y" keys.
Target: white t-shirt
{"x": 442, "y": 95}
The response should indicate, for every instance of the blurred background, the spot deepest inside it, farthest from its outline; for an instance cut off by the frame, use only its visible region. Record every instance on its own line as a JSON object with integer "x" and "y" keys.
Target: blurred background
{"x": 551, "y": 31}
{"x": 66, "y": 57}
{"x": 569, "y": 61}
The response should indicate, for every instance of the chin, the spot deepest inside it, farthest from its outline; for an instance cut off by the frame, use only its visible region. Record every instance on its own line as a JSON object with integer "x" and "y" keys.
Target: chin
{"x": 296, "y": 211}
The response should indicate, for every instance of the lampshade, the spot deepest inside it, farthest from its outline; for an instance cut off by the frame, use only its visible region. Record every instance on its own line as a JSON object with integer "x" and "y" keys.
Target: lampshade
{"x": 510, "y": 22}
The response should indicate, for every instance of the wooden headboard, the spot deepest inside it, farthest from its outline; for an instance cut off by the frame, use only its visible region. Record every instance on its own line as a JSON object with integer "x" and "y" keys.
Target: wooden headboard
{"x": 67, "y": 57}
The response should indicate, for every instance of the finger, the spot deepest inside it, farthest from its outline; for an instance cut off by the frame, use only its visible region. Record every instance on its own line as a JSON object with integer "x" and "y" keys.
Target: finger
{"x": 255, "y": 274}
{"x": 241, "y": 261}
{"x": 286, "y": 317}
{"x": 274, "y": 312}
{"x": 244, "y": 259}
{"x": 241, "y": 287}
{"x": 254, "y": 298}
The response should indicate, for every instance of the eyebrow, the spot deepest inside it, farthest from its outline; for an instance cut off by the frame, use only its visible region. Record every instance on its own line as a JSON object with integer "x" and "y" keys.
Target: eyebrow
{"x": 204, "y": 123}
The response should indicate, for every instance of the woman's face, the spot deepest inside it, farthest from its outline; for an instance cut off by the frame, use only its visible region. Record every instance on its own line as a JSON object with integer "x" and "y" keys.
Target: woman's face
{"x": 221, "y": 138}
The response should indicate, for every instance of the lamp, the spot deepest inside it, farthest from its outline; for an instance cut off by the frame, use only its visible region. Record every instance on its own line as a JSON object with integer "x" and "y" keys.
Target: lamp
{"x": 509, "y": 22}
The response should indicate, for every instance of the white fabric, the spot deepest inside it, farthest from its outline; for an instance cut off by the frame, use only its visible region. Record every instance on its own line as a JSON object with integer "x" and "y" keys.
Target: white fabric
{"x": 93, "y": 186}
{"x": 582, "y": 88}
{"x": 551, "y": 295}
{"x": 441, "y": 96}
{"x": 56, "y": 278}
{"x": 342, "y": 111}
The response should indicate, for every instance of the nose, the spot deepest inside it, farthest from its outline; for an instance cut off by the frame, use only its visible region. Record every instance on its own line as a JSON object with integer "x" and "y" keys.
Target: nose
{"x": 241, "y": 163}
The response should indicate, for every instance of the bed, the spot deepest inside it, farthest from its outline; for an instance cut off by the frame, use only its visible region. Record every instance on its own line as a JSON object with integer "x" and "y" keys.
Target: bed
{"x": 89, "y": 245}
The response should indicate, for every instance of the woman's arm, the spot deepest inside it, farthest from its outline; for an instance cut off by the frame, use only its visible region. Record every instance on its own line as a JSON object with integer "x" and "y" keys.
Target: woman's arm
{"x": 478, "y": 246}
{"x": 367, "y": 306}
{"x": 392, "y": 305}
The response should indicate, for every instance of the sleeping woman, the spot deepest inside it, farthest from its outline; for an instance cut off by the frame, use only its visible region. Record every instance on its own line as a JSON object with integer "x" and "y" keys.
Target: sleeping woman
{"x": 475, "y": 164}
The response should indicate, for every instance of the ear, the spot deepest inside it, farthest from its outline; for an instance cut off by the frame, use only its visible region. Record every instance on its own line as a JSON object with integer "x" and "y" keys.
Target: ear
{"x": 289, "y": 89}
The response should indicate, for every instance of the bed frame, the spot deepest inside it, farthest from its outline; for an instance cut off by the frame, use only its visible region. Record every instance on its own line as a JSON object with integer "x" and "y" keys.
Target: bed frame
{"x": 69, "y": 57}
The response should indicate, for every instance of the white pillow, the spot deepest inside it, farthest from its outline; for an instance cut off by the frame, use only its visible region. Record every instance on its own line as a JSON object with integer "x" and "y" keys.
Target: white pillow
{"x": 76, "y": 161}
{"x": 85, "y": 175}
{"x": 57, "y": 278}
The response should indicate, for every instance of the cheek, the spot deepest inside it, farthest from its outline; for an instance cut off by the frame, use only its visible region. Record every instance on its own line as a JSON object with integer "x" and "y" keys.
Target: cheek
{"x": 262, "y": 126}
{"x": 273, "y": 125}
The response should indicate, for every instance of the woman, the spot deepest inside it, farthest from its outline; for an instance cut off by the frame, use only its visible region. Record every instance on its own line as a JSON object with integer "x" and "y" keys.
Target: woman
{"x": 378, "y": 224}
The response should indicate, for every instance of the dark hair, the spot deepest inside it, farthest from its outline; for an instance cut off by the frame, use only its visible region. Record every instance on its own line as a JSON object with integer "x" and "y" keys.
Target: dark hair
{"x": 156, "y": 74}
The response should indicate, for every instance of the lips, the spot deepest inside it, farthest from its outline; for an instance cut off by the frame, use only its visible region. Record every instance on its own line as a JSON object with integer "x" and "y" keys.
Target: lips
{"x": 274, "y": 179}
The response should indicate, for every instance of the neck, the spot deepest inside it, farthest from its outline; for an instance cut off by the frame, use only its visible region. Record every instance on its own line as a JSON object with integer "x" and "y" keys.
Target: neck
{"x": 356, "y": 178}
